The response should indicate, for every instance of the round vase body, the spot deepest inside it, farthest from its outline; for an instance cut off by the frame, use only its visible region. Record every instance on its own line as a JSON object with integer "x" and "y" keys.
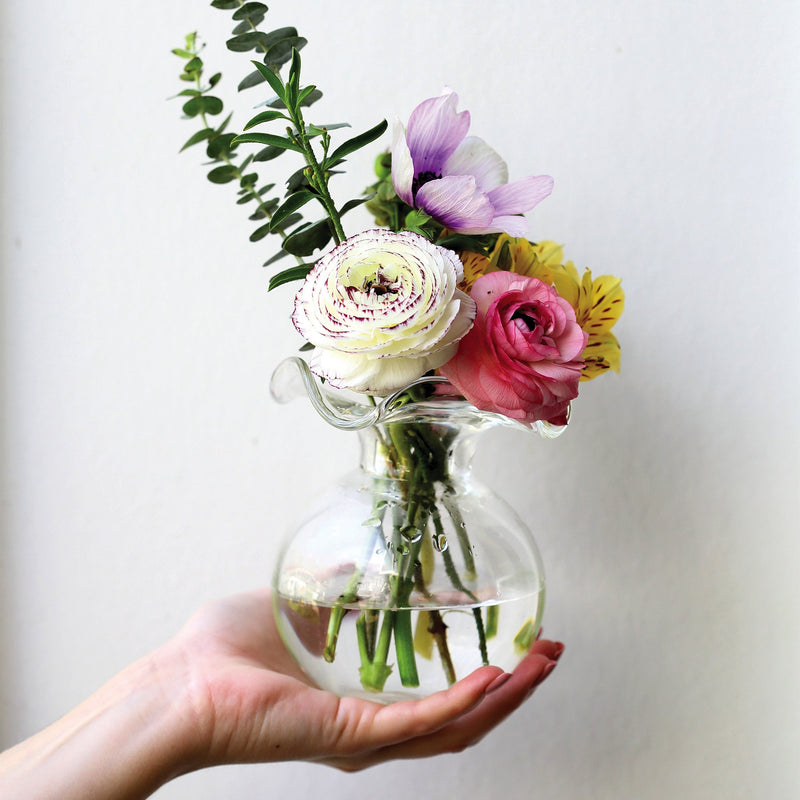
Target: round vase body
{"x": 409, "y": 574}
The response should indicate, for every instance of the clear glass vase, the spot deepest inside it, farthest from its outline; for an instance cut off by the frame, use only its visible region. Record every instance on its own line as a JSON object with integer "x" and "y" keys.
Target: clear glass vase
{"x": 409, "y": 573}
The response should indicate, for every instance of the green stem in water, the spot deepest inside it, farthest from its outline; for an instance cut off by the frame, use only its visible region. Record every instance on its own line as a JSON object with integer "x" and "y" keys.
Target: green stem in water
{"x": 438, "y": 630}
{"x": 404, "y": 648}
{"x": 476, "y": 612}
{"x": 461, "y": 532}
{"x": 375, "y": 671}
{"x": 455, "y": 579}
{"x": 349, "y": 595}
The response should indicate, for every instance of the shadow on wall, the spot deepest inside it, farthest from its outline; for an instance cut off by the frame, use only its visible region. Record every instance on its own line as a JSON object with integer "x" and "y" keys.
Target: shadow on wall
{"x": 6, "y": 603}
{"x": 650, "y": 570}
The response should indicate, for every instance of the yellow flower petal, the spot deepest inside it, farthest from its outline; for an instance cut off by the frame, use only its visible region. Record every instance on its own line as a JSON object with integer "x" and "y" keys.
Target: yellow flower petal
{"x": 475, "y": 265}
{"x": 607, "y": 304}
{"x": 598, "y": 302}
{"x": 601, "y": 354}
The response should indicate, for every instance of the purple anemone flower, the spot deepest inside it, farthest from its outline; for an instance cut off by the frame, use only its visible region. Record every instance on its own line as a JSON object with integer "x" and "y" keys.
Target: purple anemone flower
{"x": 457, "y": 179}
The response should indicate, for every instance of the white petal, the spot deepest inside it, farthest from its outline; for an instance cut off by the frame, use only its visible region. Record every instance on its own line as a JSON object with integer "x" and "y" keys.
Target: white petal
{"x": 402, "y": 165}
{"x": 474, "y": 157}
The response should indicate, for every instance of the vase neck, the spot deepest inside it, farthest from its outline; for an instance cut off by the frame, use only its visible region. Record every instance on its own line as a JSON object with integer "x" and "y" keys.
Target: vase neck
{"x": 433, "y": 451}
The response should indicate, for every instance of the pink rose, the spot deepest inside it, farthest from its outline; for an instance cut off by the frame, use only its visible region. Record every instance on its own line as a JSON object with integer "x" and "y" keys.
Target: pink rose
{"x": 522, "y": 358}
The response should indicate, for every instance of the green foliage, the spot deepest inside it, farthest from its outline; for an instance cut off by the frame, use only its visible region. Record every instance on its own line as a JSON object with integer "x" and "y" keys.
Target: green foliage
{"x": 268, "y": 53}
{"x": 297, "y": 273}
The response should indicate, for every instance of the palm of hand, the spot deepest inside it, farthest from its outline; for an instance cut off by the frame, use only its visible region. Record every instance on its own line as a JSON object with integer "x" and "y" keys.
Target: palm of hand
{"x": 253, "y": 703}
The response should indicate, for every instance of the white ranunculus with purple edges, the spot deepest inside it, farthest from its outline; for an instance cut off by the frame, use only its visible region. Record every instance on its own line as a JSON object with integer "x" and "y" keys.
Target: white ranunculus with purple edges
{"x": 457, "y": 179}
{"x": 381, "y": 310}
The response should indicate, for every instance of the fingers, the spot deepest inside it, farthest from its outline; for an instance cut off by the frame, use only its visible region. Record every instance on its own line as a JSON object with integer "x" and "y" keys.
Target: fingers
{"x": 501, "y": 696}
{"x": 363, "y": 726}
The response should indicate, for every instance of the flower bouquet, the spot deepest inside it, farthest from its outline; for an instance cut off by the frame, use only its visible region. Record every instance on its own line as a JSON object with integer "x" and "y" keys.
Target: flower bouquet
{"x": 440, "y": 321}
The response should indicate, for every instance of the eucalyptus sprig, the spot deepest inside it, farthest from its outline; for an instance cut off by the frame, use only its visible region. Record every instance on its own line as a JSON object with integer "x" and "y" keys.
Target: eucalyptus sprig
{"x": 275, "y": 215}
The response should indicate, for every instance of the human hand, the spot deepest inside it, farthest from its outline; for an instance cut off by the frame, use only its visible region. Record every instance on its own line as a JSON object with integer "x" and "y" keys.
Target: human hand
{"x": 253, "y": 703}
{"x": 225, "y": 690}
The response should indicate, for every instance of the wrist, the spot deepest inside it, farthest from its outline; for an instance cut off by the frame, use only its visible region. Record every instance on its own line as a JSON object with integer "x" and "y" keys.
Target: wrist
{"x": 137, "y": 732}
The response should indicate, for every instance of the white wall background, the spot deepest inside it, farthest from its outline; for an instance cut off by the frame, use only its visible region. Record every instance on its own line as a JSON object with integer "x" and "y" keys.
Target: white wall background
{"x": 145, "y": 469}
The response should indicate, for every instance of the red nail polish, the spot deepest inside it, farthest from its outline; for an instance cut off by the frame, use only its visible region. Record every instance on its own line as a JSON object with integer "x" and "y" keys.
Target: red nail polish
{"x": 549, "y": 667}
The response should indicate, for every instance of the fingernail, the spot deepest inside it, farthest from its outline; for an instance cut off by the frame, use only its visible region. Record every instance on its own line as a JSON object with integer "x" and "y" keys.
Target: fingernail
{"x": 549, "y": 667}
{"x": 497, "y": 682}
{"x": 559, "y": 649}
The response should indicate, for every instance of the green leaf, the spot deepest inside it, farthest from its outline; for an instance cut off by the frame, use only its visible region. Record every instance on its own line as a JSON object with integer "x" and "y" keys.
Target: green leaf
{"x": 214, "y": 80}
{"x": 297, "y": 180}
{"x": 297, "y": 273}
{"x": 224, "y": 123}
{"x": 279, "y": 53}
{"x": 193, "y": 65}
{"x": 253, "y": 79}
{"x": 223, "y": 174}
{"x": 225, "y": 5}
{"x": 310, "y": 98}
{"x": 307, "y": 101}
{"x": 318, "y": 130}
{"x": 272, "y": 79}
{"x": 259, "y": 233}
{"x": 462, "y": 241}
{"x": 249, "y": 10}
{"x": 265, "y": 116}
{"x": 351, "y": 204}
{"x": 200, "y": 136}
{"x": 277, "y": 257}
{"x": 265, "y": 209}
{"x": 245, "y": 27}
{"x": 294, "y": 201}
{"x": 293, "y": 84}
{"x": 268, "y": 153}
{"x": 203, "y": 105}
{"x": 249, "y": 196}
{"x": 417, "y": 218}
{"x": 248, "y": 181}
{"x": 291, "y": 220}
{"x": 308, "y": 239}
{"x": 278, "y": 34}
{"x": 220, "y": 145}
{"x": 182, "y": 53}
{"x": 248, "y": 41}
{"x": 270, "y": 139}
{"x": 356, "y": 143}
{"x": 304, "y": 93}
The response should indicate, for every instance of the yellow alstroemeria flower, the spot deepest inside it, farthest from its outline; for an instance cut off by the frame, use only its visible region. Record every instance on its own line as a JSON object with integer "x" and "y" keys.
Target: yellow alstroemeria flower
{"x": 598, "y": 302}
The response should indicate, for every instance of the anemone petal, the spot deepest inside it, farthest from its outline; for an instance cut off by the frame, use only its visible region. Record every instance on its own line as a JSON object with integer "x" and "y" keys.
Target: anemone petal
{"x": 456, "y": 202}
{"x": 521, "y": 195}
{"x": 474, "y": 157}
{"x": 402, "y": 165}
{"x": 435, "y": 129}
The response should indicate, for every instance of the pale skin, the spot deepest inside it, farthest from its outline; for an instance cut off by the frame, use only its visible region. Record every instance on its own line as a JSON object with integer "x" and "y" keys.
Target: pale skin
{"x": 224, "y": 691}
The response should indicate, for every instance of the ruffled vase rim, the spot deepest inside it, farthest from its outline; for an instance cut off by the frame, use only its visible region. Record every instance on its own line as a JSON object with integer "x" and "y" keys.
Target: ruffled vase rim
{"x": 347, "y": 410}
